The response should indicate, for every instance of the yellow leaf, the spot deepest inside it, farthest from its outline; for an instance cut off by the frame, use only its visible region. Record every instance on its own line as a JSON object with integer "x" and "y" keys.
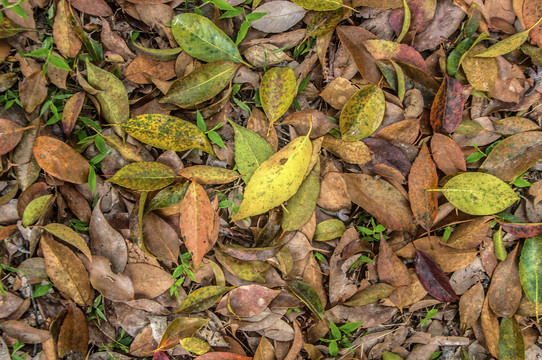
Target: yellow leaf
{"x": 276, "y": 179}
{"x": 277, "y": 92}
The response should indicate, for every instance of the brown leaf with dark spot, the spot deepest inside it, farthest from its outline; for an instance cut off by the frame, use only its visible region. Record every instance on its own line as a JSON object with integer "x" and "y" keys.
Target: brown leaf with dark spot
{"x": 447, "y": 154}
{"x": 505, "y": 290}
{"x": 76, "y": 202}
{"x": 447, "y": 108}
{"x": 74, "y": 334}
{"x": 301, "y": 121}
{"x": 433, "y": 279}
{"x": 522, "y": 230}
{"x": 423, "y": 176}
{"x": 71, "y": 112}
{"x": 391, "y": 269}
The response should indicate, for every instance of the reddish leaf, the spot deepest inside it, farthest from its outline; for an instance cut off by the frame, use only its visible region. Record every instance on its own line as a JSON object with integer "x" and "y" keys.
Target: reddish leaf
{"x": 433, "y": 278}
{"x": 447, "y": 108}
{"x": 10, "y": 135}
{"x": 350, "y": 37}
{"x": 160, "y": 355}
{"x": 390, "y": 269}
{"x": 423, "y": 176}
{"x": 92, "y": 7}
{"x": 222, "y": 356}
{"x": 447, "y": 154}
{"x": 522, "y": 230}
{"x": 71, "y": 112}
{"x": 390, "y": 50}
{"x": 505, "y": 290}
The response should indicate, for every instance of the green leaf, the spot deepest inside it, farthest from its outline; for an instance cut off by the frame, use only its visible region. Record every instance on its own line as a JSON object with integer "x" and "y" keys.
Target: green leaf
{"x": 144, "y": 176}
{"x": 203, "y": 298}
{"x": 363, "y": 113}
{"x": 277, "y": 91}
{"x": 200, "y": 85}
{"x": 256, "y": 16}
{"x": 319, "y": 5}
{"x": 329, "y": 230}
{"x": 334, "y": 331}
{"x": 113, "y": 97}
{"x": 59, "y": 62}
{"x": 277, "y": 179}
{"x": 19, "y": 10}
{"x": 460, "y": 52}
{"x": 202, "y": 39}
{"x": 406, "y": 22}
{"x": 301, "y": 206}
{"x": 479, "y": 194}
{"x": 221, "y": 4}
{"x": 306, "y": 293}
{"x": 251, "y": 150}
{"x": 511, "y": 342}
{"x": 243, "y": 29}
{"x": 35, "y": 209}
{"x": 530, "y": 269}
{"x": 167, "y": 132}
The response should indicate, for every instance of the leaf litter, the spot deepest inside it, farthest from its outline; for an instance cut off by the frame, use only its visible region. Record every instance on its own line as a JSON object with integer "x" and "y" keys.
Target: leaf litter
{"x": 281, "y": 180}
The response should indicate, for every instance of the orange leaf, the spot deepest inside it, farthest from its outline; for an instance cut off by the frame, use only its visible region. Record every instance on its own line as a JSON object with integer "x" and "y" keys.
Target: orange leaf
{"x": 423, "y": 176}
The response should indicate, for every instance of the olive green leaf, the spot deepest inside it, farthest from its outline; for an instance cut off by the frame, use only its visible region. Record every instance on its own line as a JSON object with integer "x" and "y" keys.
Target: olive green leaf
{"x": 479, "y": 193}
{"x": 201, "y": 84}
{"x": 277, "y": 92}
{"x": 308, "y": 295}
{"x": 530, "y": 270}
{"x": 113, "y": 98}
{"x": 167, "y": 132}
{"x": 251, "y": 150}
{"x": 301, "y": 206}
{"x": 363, "y": 113}
{"x": 202, "y": 39}
{"x": 35, "y": 209}
{"x": 157, "y": 54}
{"x": 329, "y": 230}
{"x": 511, "y": 342}
{"x": 203, "y": 298}
{"x": 319, "y": 5}
{"x": 144, "y": 176}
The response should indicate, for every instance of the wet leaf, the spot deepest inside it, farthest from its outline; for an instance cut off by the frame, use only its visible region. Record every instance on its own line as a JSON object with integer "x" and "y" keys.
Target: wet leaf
{"x": 511, "y": 342}
{"x": 70, "y": 236}
{"x": 71, "y": 112}
{"x": 447, "y": 154}
{"x": 10, "y": 135}
{"x": 505, "y": 290}
{"x": 60, "y": 160}
{"x": 306, "y": 293}
{"x": 300, "y": 207}
{"x": 530, "y": 269}
{"x": 329, "y": 230}
{"x": 74, "y": 334}
{"x": 112, "y": 96}
{"x": 447, "y": 108}
{"x": 144, "y": 176}
{"x": 209, "y": 175}
{"x": 180, "y": 328}
{"x": 198, "y": 222}
{"x": 66, "y": 40}
{"x": 277, "y": 91}
{"x": 352, "y": 152}
{"x": 479, "y": 193}
{"x": 319, "y": 5}
{"x": 36, "y": 208}
{"x": 200, "y": 85}
{"x": 203, "y": 298}
{"x": 423, "y": 176}
{"x": 202, "y": 39}
{"x": 370, "y": 294}
{"x": 66, "y": 271}
{"x": 470, "y": 306}
{"x": 167, "y": 132}
{"x": 246, "y": 301}
{"x": 514, "y": 155}
{"x": 433, "y": 279}
{"x": 390, "y": 269}
{"x": 277, "y": 179}
{"x": 380, "y": 199}
{"x": 363, "y": 113}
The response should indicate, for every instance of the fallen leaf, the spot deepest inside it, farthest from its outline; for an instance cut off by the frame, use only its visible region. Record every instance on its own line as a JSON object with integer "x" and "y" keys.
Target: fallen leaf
{"x": 370, "y": 294}
{"x": 329, "y": 230}
{"x": 490, "y": 327}
{"x": 423, "y": 176}
{"x": 143, "y": 68}
{"x": 447, "y": 108}
{"x": 10, "y": 135}
{"x": 352, "y": 152}
{"x": 144, "y": 176}
{"x": 530, "y": 269}
{"x": 505, "y": 290}
{"x": 96, "y": 8}
{"x": 180, "y": 328}
{"x": 281, "y": 15}
{"x": 246, "y": 270}
{"x": 319, "y": 5}
{"x": 222, "y": 356}
{"x": 149, "y": 281}
{"x": 349, "y": 37}
{"x": 70, "y": 236}
{"x": 433, "y": 279}
{"x": 470, "y": 234}
{"x": 362, "y": 114}
{"x": 390, "y": 50}
{"x": 300, "y": 207}
{"x": 202, "y": 39}
{"x": 160, "y": 238}
{"x": 71, "y": 112}
{"x": 470, "y": 306}
{"x": 246, "y": 301}
{"x": 114, "y": 287}
{"x": 24, "y": 332}
{"x": 198, "y": 222}
{"x": 203, "y": 298}
{"x": 479, "y": 193}
{"x": 390, "y": 268}
{"x": 33, "y": 91}
{"x": 74, "y": 333}
{"x": 65, "y": 37}
{"x": 447, "y": 154}
{"x": 209, "y": 175}
{"x": 277, "y": 91}
{"x": 511, "y": 342}
{"x": 196, "y": 345}
{"x": 36, "y": 209}
{"x": 306, "y": 293}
